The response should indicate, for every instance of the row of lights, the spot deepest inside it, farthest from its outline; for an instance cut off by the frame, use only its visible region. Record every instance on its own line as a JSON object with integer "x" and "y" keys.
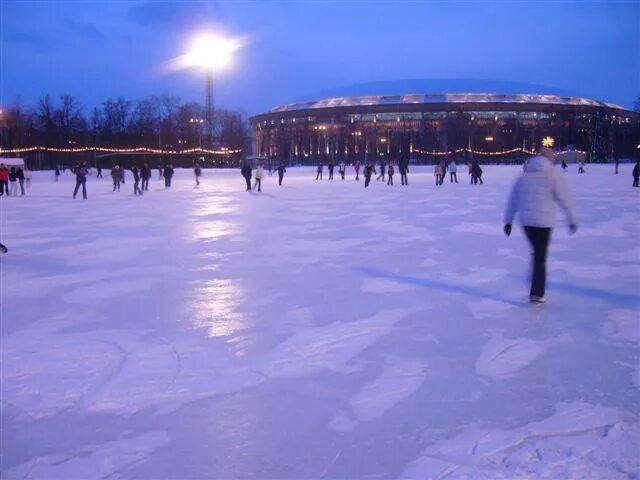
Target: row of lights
{"x": 222, "y": 151}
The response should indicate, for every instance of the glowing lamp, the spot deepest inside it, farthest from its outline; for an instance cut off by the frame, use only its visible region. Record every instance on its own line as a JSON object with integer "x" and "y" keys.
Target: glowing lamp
{"x": 211, "y": 52}
{"x": 548, "y": 142}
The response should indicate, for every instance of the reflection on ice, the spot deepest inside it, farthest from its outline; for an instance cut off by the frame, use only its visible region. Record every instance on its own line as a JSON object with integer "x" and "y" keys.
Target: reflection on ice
{"x": 212, "y": 230}
{"x": 215, "y": 307}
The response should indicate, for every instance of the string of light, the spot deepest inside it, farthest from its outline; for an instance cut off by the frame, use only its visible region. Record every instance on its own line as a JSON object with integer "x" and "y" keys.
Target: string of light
{"x": 223, "y": 151}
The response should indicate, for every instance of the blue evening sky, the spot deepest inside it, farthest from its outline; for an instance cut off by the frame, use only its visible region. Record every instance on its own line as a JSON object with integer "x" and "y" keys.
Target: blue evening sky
{"x": 96, "y": 50}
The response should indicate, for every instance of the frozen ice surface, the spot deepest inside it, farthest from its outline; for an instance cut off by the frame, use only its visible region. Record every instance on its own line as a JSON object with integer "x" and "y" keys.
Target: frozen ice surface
{"x": 316, "y": 330}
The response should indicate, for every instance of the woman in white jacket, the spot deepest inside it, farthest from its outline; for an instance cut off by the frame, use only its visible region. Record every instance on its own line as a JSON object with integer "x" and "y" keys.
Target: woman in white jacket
{"x": 258, "y": 176}
{"x": 533, "y": 198}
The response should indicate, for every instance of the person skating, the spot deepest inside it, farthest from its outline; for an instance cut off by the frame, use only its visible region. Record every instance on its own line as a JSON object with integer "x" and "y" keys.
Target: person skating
{"x": 617, "y": 164}
{"x": 56, "y": 173}
{"x": 581, "y": 167}
{"x": 20, "y": 177}
{"x": 473, "y": 177}
{"x": 168, "y": 175}
{"x": 636, "y": 174}
{"x": 368, "y": 171}
{"x": 391, "y": 171}
{"x": 116, "y": 176}
{"x": 197, "y": 171}
{"x": 533, "y": 198}
{"x": 319, "y": 172}
{"x": 564, "y": 166}
{"x": 404, "y": 169}
{"x": 438, "y": 173}
{"x": 443, "y": 165}
{"x": 13, "y": 184}
{"x": 4, "y": 180}
{"x": 160, "y": 173}
{"x": 81, "y": 180}
{"x": 383, "y": 167}
{"x": 145, "y": 175}
{"x": 246, "y": 173}
{"x": 281, "y": 171}
{"x": 477, "y": 173}
{"x": 99, "y": 170}
{"x": 331, "y": 167}
{"x": 343, "y": 169}
{"x": 136, "y": 180}
{"x": 259, "y": 176}
{"x": 28, "y": 175}
{"x": 356, "y": 166}
{"x": 453, "y": 171}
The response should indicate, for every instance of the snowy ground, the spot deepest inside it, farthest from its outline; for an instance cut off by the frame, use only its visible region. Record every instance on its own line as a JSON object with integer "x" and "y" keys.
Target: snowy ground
{"x": 317, "y": 330}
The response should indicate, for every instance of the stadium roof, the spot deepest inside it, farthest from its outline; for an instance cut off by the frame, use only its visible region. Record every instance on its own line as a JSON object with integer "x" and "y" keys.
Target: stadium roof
{"x": 442, "y": 98}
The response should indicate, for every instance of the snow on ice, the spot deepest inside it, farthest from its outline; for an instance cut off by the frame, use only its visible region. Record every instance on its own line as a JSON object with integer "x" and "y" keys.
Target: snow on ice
{"x": 316, "y": 330}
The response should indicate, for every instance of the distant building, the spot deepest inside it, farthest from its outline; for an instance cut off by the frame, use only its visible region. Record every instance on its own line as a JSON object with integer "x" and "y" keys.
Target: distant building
{"x": 370, "y": 127}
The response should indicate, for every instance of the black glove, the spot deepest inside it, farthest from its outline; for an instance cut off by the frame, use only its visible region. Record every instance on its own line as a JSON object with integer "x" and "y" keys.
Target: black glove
{"x": 507, "y": 229}
{"x": 573, "y": 229}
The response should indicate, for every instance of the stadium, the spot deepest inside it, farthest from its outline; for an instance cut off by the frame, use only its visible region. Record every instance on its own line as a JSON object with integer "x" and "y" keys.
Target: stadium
{"x": 503, "y": 127}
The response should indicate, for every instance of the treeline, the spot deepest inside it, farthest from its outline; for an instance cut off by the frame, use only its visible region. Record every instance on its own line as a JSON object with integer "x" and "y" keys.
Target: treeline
{"x": 157, "y": 122}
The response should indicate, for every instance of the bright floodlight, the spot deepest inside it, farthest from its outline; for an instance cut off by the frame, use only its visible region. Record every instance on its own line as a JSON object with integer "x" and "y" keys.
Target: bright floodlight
{"x": 211, "y": 52}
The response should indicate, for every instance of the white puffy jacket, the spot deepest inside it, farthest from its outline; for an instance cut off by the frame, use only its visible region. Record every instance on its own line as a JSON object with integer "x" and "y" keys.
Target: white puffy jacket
{"x": 535, "y": 194}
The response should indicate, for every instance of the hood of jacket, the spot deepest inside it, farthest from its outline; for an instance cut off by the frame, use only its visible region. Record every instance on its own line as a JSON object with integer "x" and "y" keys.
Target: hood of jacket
{"x": 538, "y": 164}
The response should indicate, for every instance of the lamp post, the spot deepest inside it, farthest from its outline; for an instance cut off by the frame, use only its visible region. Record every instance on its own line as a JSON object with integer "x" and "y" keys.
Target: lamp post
{"x": 198, "y": 124}
{"x": 212, "y": 53}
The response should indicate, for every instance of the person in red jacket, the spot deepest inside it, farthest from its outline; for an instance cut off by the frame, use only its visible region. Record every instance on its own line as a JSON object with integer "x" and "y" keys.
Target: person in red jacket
{"x": 4, "y": 180}
{"x": 357, "y": 167}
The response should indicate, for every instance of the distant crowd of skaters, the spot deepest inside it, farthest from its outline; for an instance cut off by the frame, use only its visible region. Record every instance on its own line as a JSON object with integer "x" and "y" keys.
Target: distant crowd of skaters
{"x": 11, "y": 177}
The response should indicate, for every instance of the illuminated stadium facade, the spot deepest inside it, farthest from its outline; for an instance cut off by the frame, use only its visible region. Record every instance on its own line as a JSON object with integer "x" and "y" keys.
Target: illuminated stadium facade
{"x": 505, "y": 127}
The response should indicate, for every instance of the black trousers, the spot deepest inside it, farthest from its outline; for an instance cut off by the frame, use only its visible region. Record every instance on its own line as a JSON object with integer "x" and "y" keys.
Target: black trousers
{"x": 167, "y": 181}
{"x": 453, "y": 176}
{"x": 258, "y": 184}
{"x": 342, "y": 174}
{"x": 331, "y": 174}
{"x": 136, "y": 189}
{"x": 390, "y": 181}
{"x": 248, "y": 180}
{"x": 145, "y": 183}
{"x": 403, "y": 178}
{"x": 366, "y": 181}
{"x": 116, "y": 184}
{"x": 539, "y": 240}
{"x": 319, "y": 176}
{"x": 635, "y": 181}
{"x": 84, "y": 188}
{"x": 4, "y": 187}
{"x": 280, "y": 177}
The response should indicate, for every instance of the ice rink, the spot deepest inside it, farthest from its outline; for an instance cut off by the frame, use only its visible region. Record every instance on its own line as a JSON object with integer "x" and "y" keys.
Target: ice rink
{"x": 316, "y": 330}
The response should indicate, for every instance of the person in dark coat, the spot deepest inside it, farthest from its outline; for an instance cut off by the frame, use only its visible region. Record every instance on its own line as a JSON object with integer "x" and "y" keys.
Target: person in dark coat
{"x": 81, "y": 179}
{"x": 20, "y": 177}
{"x": 13, "y": 185}
{"x": 403, "y": 166}
{"x": 392, "y": 170}
{"x": 331, "y": 167}
{"x": 319, "y": 172}
{"x": 116, "y": 176}
{"x": 197, "y": 171}
{"x": 368, "y": 171}
{"x": 281, "y": 170}
{"x": 246, "y": 173}
{"x": 99, "y": 170}
{"x": 636, "y": 173}
{"x": 476, "y": 173}
{"x": 168, "y": 175}
{"x": 136, "y": 180}
{"x": 145, "y": 175}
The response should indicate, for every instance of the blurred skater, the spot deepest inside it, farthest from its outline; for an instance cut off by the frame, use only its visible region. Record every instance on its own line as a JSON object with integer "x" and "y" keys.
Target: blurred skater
{"x": 81, "y": 180}
{"x": 391, "y": 171}
{"x": 453, "y": 169}
{"x": 368, "y": 171}
{"x": 438, "y": 173}
{"x": 331, "y": 167}
{"x": 145, "y": 175}
{"x": 356, "y": 166}
{"x": 168, "y": 175}
{"x": 383, "y": 168}
{"x": 343, "y": 170}
{"x": 477, "y": 173}
{"x": 13, "y": 184}
{"x": 581, "y": 167}
{"x": 533, "y": 198}
{"x": 136, "y": 180}
{"x": 20, "y": 177}
{"x": 56, "y": 173}
{"x": 636, "y": 173}
{"x": 281, "y": 171}
{"x": 4, "y": 180}
{"x": 258, "y": 177}
{"x": 404, "y": 169}
{"x": 116, "y": 176}
{"x": 245, "y": 171}
{"x": 319, "y": 172}
{"x": 197, "y": 171}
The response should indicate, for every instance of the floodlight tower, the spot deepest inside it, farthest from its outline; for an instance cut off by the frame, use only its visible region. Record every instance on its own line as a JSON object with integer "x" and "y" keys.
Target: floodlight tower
{"x": 211, "y": 52}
